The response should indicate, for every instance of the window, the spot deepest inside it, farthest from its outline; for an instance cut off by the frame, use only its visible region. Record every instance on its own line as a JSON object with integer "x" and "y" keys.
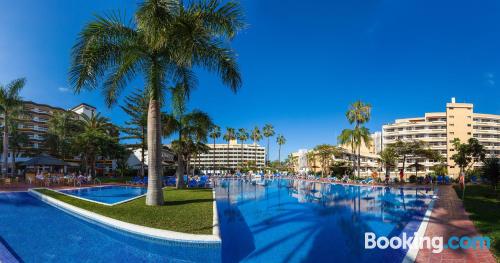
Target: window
{"x": 452, "y": 117}
{"x": 452, "y": 133}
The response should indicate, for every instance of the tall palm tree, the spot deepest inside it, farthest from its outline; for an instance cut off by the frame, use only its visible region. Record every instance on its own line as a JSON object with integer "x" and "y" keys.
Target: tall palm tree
{"x": 10, "y": 106}
{"x": 95, "y": 136}
{"x": 361, "y": 136}
{"x": 228, "y": 136}
{"x": 214, "y": 135}
{"x": 164, "y": 42}
{"x": 193, "y": 128}
{"x": 280, "y": 140}
{"x": 256, "y": 137}
{"x": 268, "y": 131}
{"x": 17, "y": 140}
{"x": 242, "y": 136}
{"x": 359, "y": 113}
{"x": 347, "y": 138}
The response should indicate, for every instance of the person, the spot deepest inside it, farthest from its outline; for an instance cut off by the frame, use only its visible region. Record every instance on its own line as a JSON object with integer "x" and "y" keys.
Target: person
{"x": 374, "y": 176}
{"x": 401, "y": 176}
{"x": 461, "y": 180}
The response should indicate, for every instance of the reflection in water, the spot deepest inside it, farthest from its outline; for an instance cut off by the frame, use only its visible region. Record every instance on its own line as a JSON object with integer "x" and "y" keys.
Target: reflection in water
{"x": 299, "y": 221}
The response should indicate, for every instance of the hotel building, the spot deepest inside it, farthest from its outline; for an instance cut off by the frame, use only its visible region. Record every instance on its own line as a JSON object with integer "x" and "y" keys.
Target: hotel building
{"x": 34, "y": 122}
{"x": 439, "y": 129}
{"x": 238, "y": 156}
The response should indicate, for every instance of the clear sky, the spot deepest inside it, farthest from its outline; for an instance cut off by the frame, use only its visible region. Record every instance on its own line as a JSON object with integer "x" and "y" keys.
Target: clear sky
{"x": 303, "y": 62}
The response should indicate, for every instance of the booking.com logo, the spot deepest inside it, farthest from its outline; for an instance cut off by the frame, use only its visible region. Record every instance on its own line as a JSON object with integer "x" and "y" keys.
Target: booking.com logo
{"x": 436, "y": 244}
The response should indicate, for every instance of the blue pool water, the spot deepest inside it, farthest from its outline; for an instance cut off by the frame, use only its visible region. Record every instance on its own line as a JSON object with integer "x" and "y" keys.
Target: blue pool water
{"x": 107, "y": 194}
{"x": 37, "y": 232}
{"x": 285, "y": 221}
{"x": 298, "y": 221}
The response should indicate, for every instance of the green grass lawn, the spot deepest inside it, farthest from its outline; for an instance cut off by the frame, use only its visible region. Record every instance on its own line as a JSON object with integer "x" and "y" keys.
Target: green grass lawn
{"x": 186, "y": 210}
{"x": 483, "y": 204}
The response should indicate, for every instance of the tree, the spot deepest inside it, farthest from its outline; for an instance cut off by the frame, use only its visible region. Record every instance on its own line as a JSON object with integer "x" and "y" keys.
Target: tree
{"x": 96, "y": 138}
{"x": 311, "y": 160}
{"x": 325, "y": 152}
{"x": 491, "y": 170}
{"x": 63, "y": 128}
{"x": 402, "y": 150}
{"x": 347, "y": 138}
{"x": 467, "y": 153}
{"x": 388, "y": 158}
{"x": 10, "y": 106}
{"x": 280, "y": 140}
{"x": 164, "y": 42}
{"x": 17, "y": 140}
{"x": 359, "y": 113}
{"x": 214, "y": 135}
{"x": 192, "y": 129}
{"x": 268, "y": 131}
{"x": 243, "y": 137}
{"x": 136, "y": 107}
{"x": 228, "y": 136}
{"x": 256, "y": 137}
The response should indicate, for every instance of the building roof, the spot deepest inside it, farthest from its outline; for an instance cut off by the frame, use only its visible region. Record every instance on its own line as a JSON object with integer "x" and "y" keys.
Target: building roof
{"x": 82, "y": 104}
{"x": 42, "y": 104}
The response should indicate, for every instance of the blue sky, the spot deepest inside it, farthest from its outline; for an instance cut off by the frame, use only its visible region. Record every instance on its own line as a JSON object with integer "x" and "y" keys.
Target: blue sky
{"x": 303, "y": 62}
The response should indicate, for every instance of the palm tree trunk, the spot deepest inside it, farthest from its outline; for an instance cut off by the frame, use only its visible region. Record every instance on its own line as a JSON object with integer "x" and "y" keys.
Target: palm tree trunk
{"x": 143, "y": 149}
{"x": 154, "y": 194}
{"x": 179, "y": 172}
{"x": 359, "y": 160}
{"x": 5, "y": 153}
{"x": 267, "y": 153}
{"x": 14, "y": 161}
{"x": 279, "y": 156}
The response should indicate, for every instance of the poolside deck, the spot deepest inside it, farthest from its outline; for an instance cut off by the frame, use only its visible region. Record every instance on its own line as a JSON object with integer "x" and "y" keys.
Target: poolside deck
{"x": 21, "y": 187}
{"x": 449, "y": 218}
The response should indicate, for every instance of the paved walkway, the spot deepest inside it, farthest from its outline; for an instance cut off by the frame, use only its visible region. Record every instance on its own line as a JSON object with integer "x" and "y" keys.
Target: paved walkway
{"x": 450, "y": 219}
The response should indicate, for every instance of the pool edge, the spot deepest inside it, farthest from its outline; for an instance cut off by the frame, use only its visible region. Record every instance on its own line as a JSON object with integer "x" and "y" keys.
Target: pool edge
{"x": 133, "y": 228}
{"x": 411, "y": 254}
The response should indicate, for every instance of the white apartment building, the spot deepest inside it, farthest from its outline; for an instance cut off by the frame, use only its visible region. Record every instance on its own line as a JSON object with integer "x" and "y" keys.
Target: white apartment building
{"x": 239, "y": 155}
{"x": 439, "y": 129}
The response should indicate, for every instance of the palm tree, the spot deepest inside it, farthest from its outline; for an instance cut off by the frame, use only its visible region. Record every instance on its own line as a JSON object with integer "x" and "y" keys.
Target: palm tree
{"x": 95, "y": 139}
{"x": 280, "y": 140}
{"x": 242, "y": 136}
{"x": 228, "y": 136}
{"x": 136, "y": 107}
{"x": 10, "y": 106}
{"x": 311, "y": 160}
{"x": 164, "y": 42}
{"x": 256, "y": 137}
{"x": 268, "y": 131}
{"x": 361, "y": 136}
{"x": 359, "y": 113}
{"x": 214, "y": 134}
{"x": 325, "y": 152}
{"x": 347, "y": 138}
{"x": 388, "y": 158}
{"x": 17, "y": 140}
{"x": 193, "y": 129}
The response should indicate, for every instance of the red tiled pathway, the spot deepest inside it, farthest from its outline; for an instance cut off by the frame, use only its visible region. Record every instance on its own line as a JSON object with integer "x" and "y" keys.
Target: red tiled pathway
{"x": 450, "y": 219}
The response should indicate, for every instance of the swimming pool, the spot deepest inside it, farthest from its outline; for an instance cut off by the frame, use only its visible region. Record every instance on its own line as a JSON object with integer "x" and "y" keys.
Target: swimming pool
{"x": 37, "y": 232}
{"x": 107, "y": 195}
{"x": 299, "y": 221}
